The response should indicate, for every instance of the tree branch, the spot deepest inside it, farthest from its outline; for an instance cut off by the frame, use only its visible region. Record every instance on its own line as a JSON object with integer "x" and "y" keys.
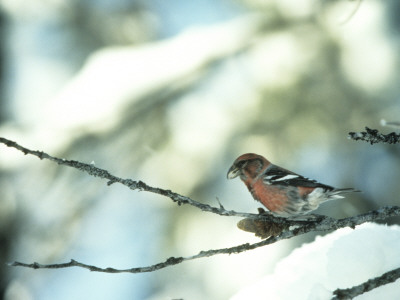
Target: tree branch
{"x": 373, "y": 136}
{"x": 325, "y": 224}
{"x": 388, "y": 277}
{"x": 141, "y": 186}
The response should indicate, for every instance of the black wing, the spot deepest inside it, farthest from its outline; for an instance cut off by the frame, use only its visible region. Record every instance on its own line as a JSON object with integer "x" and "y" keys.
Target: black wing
{"x": 275, "y": 175}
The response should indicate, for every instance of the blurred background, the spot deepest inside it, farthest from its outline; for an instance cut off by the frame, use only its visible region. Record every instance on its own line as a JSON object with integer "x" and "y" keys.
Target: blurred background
{"x": 170, "y": 93}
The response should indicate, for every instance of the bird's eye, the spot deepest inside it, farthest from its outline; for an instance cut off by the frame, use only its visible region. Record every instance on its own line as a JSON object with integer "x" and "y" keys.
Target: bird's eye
{"x": 241, "y": 164}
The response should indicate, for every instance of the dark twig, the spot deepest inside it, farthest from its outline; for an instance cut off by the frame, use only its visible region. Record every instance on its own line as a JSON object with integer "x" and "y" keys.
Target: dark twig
{"x": 325, "y": 224}
{"x": 373, "y": 136}
{"x": 388, "y": 277}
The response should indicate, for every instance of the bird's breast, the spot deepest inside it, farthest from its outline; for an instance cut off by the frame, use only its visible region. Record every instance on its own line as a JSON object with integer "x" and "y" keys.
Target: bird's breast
{"x": 272, "y": 197}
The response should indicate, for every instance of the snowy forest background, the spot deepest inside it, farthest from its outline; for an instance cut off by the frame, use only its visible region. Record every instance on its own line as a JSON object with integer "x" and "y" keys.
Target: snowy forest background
{"x": 170, "y": 93}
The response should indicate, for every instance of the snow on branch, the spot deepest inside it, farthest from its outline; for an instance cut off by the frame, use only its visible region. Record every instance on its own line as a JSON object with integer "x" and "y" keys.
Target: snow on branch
{"x": 373, "y": 136}
{"x": 388, "y": 277}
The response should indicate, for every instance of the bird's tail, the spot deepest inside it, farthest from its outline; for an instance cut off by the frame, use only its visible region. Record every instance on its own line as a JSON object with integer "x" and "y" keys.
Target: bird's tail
{"x": 335, "y": 194}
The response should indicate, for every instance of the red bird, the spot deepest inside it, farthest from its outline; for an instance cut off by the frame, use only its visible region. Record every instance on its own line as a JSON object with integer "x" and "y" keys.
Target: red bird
{"x": 284, "y": 193}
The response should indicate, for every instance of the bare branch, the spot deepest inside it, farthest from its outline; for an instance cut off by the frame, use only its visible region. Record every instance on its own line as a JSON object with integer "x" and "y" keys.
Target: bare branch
{"x": 325, "y": 224}
{"x": 388, "y": 277}
{"x": 141, "y": 186}
{"x": 373, "y": 136}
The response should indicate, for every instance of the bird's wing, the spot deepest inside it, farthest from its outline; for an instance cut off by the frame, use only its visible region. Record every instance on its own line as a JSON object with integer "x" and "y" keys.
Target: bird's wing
{"x": 275, "y": 175}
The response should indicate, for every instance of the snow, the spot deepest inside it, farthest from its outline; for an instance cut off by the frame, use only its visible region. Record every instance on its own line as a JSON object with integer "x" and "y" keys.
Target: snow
{"x": 342, "y": 259}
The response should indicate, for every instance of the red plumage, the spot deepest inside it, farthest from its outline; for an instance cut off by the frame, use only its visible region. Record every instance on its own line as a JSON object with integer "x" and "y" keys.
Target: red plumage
{"x": 283, "y": 192}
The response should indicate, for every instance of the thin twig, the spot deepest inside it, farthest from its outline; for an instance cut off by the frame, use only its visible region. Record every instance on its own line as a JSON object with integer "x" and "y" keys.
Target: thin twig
{"x": 388, "y": 277}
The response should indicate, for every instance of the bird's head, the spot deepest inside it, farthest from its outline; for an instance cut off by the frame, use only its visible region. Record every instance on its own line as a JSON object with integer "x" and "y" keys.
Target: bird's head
{"x": 247, "y": 166}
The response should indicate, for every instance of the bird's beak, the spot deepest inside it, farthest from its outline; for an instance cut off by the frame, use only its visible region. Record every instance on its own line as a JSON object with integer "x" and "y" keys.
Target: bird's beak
{"x": 233, "y": 172}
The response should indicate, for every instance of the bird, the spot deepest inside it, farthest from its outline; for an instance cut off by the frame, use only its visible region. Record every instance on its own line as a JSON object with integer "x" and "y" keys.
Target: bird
{"x": 283, "y": 192}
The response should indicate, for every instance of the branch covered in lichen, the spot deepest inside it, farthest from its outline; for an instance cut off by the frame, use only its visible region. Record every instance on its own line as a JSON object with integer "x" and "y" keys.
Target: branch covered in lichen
{"x": 373, "y": 136}
{"x": 325, "y": 224}
{"x": 369, "y": 285}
